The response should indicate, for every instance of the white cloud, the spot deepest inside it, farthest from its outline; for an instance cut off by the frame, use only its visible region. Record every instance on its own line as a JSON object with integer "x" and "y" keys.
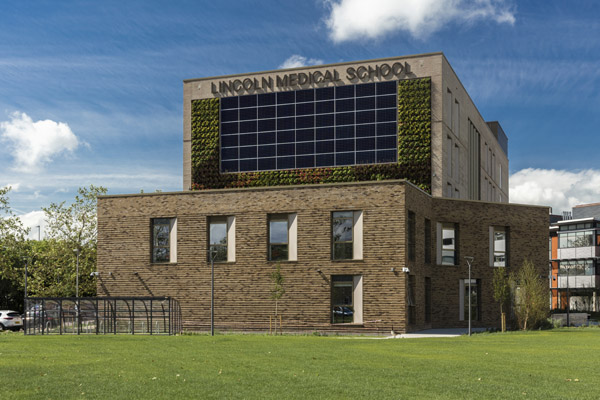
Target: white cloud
{"x": 559, "y": 189}
{"x": 295, "y": 61}
{"x": 371, "y": 19}
{"x": 34, "y": 144}
{"x": 32, "y": 220}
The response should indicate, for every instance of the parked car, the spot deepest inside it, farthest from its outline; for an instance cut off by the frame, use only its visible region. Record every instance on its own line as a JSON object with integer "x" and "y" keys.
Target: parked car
{"x": 342, "y": 310}
{"x": 10, "y": 320}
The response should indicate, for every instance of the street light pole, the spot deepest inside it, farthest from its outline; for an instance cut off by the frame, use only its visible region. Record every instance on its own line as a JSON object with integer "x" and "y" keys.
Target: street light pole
{"x": 469, "y": 261}
{"x": 77, "y": 273}
{"x": 211, "y": 254}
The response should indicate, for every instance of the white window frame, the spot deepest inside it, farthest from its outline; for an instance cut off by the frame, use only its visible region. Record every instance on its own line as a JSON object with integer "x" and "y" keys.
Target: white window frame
{"x": 492, "y": 247}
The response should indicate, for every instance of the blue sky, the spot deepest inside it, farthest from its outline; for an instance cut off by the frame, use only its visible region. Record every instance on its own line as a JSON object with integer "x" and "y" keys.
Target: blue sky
{"x": 91, "y": 91}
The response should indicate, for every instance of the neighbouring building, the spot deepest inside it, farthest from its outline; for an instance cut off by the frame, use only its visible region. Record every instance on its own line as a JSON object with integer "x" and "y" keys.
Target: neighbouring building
{"x": 575, "y": 257}
{"x": 367, "y": 182}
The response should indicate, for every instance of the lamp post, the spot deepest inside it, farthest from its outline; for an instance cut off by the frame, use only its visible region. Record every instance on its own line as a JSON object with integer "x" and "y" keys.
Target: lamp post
{"x": 469, "y": 261}
{"x": 211, "y": 255}
{"x": 77, "y": 251}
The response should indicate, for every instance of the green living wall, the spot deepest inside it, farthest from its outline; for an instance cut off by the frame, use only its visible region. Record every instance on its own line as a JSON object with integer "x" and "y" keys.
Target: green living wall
{"x": 414, "y": 149}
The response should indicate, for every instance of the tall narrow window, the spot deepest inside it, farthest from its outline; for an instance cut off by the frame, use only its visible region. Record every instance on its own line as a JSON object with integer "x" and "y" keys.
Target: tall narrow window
{"x": 218, "y": 239}
{"x": 427, "y": 241}
{"x": 448, "y": 108}
{"x": 346, "y": 235}
{"x": 474, "y": 287}
{"x": 449, "y": 147}
{"x": 278, "y": 237}
{"x": 410, "y": 299}
{"x": 346, "y": 299}
{"x": 500, "y": 247}
{"x": 427, "y": 299}
{"x": 447, "y": 235}
{"x": 456, "y": 163}
{"x": 164, "y": 240}
{"x": 456, "y": 118}
{"x": 410, "y": 236}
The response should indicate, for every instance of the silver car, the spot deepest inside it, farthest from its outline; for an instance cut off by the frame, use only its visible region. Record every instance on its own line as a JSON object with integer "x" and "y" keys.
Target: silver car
{"x": 10, "y": 320}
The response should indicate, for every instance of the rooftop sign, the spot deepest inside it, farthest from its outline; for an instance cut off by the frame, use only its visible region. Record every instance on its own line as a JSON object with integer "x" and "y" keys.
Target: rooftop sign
{"x": 319, "y": 78}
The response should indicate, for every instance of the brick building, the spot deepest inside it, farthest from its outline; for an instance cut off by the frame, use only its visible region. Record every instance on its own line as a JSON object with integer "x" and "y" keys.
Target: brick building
{"x": 367, "y": 182}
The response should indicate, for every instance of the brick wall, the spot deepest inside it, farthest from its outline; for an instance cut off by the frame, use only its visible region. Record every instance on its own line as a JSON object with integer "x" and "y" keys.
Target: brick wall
{"x": 242, "y": 288}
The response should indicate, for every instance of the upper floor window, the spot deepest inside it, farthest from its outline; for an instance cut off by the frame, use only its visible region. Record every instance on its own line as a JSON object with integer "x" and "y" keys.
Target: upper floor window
{"x": 498, "y": 246}
{"x": 282, "y": 237}
{"x": 221, "y": 239}
{"x": 447, "y": 234}
{"x": 427, "y": 241}
{"x": 346, "y": 235}
{"x": 576, "y": 239}
{"x": 576, "y": 267}
{"x": 410, "y": 236}
{"x": 164, "y": 240}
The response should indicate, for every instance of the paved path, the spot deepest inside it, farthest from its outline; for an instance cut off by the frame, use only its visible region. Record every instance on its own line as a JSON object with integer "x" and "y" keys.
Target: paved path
{"x": 431, "y": 333}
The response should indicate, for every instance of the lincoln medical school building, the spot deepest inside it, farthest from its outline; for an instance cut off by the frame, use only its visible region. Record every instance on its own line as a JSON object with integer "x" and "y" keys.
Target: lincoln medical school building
{"x": 367, "y": 182}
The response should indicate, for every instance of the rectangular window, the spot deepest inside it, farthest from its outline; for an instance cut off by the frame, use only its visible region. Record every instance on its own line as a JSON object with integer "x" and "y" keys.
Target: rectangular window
{"x": 164, "y": 240}
{"x": 427, "y": 241}
{"x": 411, "y": 236}
{"x": 346, "y": 235}
{"x": 456, "y": 163}
{"x": 449, "y": 156}
{"x": 221, "y": 238}
{"x": 346, "y": 299}
{"x": 576, "y": 239}
{"x": 474, "y": 287}
{"x": 447, "y": 234}
{"x": 448, "y": 108}
{"x": 218, "y": 239}
{"x": 427, "y": 299}
{"x": 498, "y": 246}
{"x": 282, "y": 237}
{"x": 456, "y": 118}
{"x": 410, "y": 299}
{"x": 278, "y": 237}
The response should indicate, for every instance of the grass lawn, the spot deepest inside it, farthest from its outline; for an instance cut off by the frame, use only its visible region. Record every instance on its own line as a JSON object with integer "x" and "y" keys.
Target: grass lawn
{"x": 556, "y": 364}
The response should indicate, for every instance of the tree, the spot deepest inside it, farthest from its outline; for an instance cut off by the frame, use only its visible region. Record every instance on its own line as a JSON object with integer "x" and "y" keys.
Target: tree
{"x": 502, "y": 293}
{"x": 12, "y": 252}
{"x": 531, "y": 296}
{"x": 71, "y": 230}
{"x": 277, "y": 290}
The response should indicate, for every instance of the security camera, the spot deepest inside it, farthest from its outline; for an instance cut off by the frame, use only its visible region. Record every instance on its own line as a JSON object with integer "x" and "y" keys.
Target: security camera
{"x": 95, "y": 273}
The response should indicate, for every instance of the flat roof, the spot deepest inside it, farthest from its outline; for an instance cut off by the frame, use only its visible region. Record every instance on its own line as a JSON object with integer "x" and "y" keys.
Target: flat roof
{"x": 315, "y": 66}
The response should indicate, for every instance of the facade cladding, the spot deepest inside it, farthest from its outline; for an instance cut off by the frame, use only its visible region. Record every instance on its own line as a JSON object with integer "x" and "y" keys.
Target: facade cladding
{"x": 324, "y": 127}
{"x": 360, "y": 180}
{"x": 575, "y": 261}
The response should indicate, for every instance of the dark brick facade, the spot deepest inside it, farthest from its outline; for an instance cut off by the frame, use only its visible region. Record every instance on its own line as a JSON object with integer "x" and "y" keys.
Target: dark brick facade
{"x": 242, "y": 288}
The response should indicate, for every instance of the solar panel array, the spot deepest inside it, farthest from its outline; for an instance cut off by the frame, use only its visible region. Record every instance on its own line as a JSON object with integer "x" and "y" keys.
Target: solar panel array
{"x": 323, "y": 127}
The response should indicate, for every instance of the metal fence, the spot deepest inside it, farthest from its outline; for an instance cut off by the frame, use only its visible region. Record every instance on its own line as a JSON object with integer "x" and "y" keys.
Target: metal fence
{"x": 102, "y": 315}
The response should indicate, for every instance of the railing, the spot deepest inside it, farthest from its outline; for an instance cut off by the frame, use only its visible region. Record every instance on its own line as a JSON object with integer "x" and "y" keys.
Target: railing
{"x": 102, "y": 315}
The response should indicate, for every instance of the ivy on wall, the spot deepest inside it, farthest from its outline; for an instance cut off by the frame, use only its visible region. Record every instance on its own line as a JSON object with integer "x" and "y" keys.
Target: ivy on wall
{"x": 414, "y": 149}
